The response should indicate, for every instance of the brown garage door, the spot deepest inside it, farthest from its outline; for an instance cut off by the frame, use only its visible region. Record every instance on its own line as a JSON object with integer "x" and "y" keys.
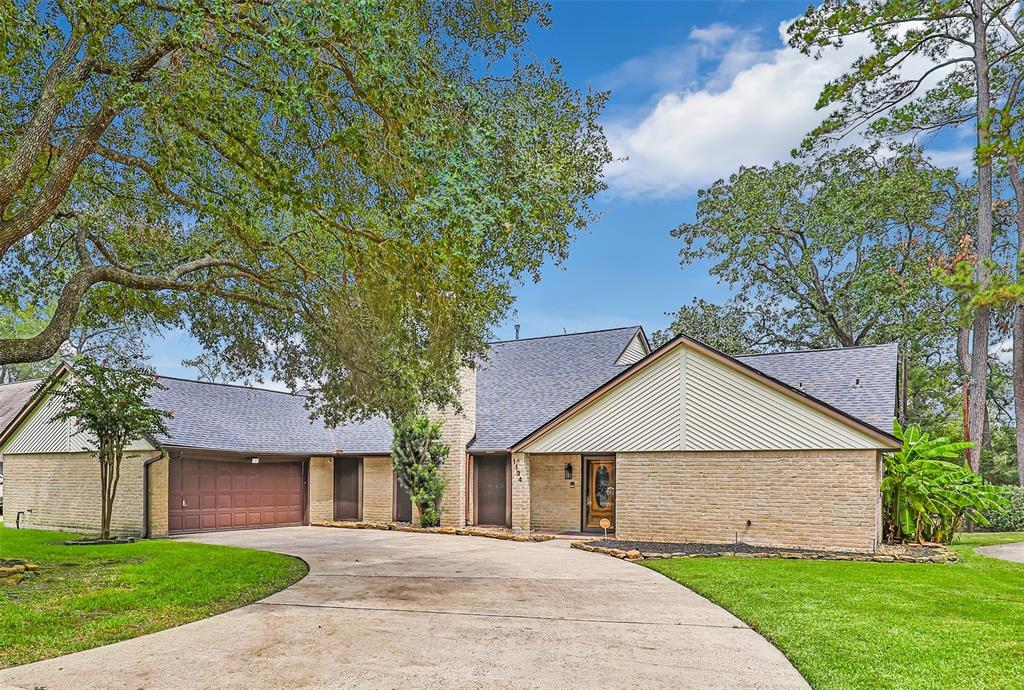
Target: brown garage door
{"x": 206, "y": 494}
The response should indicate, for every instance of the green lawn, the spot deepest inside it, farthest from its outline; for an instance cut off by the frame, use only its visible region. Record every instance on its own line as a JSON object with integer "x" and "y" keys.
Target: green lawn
{"x": 879, "y": 625}
{"x": 86, "y": 596}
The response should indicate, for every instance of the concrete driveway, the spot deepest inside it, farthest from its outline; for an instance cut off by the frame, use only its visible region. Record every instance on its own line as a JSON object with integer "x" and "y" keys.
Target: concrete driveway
{"x": 397, "y": 609}
{"x": 1008, "y": 552}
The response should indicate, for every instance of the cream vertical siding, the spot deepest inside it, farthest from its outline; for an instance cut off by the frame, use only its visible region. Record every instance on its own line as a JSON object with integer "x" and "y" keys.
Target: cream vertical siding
{"x": 685, "y": 400}
{"x": 634, "y": 352}
{"x": 726, "y": 409}
{"x": 640, "y": 413}
{"x": 38, "y": 434}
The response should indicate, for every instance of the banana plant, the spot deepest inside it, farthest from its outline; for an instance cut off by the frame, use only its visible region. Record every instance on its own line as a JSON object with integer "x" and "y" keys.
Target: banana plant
{"x": 927, "y": 491}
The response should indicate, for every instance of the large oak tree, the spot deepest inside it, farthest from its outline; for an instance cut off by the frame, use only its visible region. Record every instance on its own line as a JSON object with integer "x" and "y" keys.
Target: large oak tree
{"x": 341, "y": 193}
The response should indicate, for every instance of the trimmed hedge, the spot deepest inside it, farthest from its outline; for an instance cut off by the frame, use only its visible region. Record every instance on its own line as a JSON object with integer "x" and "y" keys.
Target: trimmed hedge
{"x": 1013, "y": 519}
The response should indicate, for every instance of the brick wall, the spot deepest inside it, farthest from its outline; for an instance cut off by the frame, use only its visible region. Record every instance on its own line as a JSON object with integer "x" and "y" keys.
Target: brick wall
{"x": 554, "y": 500}
{"x": 520, "y": 490}
{"x": 816, "y": 499}
{"x": 457, "y": 430}
{"x": 321, "y": 489}
{"x": 158, "y": 506}
{"x": 378, "y": 489}
{"x": 63, "y": 492}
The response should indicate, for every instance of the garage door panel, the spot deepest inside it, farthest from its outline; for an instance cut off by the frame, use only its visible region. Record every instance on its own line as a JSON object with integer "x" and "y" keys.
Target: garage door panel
{"x": 227, "y": 494}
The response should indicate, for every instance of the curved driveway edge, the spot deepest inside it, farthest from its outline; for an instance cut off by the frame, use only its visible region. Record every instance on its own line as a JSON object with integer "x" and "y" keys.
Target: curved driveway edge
{"x": 1007, "y": 552}
{"x": 398, "y": 609}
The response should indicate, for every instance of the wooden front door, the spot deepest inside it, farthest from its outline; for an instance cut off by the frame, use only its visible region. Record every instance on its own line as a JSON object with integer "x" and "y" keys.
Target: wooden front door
{"x": 347, "y": 488}
{"x": 600, "y": 492}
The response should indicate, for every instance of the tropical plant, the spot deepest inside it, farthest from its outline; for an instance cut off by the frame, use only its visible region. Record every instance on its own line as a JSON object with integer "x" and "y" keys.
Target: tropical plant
{"x": 111, "y": 405}
{"x": 925, "y": 496}
{"x": 417, "y": 457}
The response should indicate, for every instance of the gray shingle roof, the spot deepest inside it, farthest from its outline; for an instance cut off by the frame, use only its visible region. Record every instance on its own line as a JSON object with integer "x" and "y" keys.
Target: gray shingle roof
{"x": 525, "y": 383}
{"x": 13, "y": 397}
{"x": 522, "y": 385}
{"x": 240, "y": 419}
{"x": 860, "y": 381}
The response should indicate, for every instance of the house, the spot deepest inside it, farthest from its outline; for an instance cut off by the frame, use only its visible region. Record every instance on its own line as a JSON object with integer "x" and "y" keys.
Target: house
{"x": 556, "y": 433}
{"x": 13, "y": 397}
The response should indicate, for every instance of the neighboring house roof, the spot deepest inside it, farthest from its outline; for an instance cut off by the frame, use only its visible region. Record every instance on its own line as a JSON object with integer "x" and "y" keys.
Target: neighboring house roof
{"x": 14, "y": 397}
{"x": 860, "y": 381}
{"x": 524, "y": 383}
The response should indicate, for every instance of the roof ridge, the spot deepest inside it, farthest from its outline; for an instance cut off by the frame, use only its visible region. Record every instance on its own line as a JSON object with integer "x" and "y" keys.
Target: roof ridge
{"x": 565, "y": 335}
{"x": 232, "y": 385}
{"x": 812, "y": 349}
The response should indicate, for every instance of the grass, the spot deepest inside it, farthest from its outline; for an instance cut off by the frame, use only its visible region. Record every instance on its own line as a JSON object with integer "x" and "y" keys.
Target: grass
{"x": 87, "y": 596}
{"x": 880, "y": 625}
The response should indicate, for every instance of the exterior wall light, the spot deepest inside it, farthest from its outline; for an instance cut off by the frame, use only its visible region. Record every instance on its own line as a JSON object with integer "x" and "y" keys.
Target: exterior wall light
{"x": 254, "y": 461}
{"x": 568, "y": 470}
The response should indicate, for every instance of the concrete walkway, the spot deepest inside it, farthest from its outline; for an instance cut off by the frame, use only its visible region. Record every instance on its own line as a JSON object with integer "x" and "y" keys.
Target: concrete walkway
{"x": 396, "y": 609}
{"x": 1008, "y": 552}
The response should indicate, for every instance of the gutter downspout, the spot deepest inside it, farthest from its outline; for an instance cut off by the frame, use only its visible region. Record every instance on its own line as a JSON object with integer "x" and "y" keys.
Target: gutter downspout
{"x": 145, "y": 491}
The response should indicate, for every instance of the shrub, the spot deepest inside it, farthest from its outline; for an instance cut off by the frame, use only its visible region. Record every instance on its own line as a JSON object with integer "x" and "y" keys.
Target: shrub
{"x": 925, "y": 496}
{"x": 417, "y": 456}
{"x": 1012, "y": 518}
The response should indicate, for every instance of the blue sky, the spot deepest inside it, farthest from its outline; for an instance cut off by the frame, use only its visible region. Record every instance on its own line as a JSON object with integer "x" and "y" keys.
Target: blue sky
{"x": 698, "y": 89}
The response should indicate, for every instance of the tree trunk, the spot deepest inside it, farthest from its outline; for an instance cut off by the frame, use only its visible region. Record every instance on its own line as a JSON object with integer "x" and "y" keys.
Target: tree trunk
{"x": 983, "y": 242}
{"x": 1018, "y": 385}
{"x": 1018, "y": 319}
{"x": 963, "y": 358}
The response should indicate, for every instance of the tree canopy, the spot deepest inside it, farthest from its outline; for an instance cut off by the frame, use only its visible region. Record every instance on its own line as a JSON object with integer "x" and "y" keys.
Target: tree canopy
{"x": 931, "y": 66}
{"x": 341, "y": 194}
{"x": 839, "y": 249}
{"x": 827, "y": 251}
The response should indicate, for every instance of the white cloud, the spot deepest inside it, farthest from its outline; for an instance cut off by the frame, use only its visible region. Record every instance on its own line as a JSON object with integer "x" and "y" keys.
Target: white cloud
{"x": 712, "y": 35}
{"x": 754, "y": 109}
{"x": 960, "y": 158}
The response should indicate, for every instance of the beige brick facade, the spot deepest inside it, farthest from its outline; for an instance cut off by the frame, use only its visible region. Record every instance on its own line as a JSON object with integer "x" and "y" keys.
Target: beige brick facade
{"x": 159, "y": 472}
{"x": 458, "y": 429}
{"x": 815, "y": 499}
{"x": 378, "y": 489}
{"x": 321, "y": 489}
{"x": 521, "y": 502}
{"x": 61, "y": 491}
{"x": 555, "y": 501}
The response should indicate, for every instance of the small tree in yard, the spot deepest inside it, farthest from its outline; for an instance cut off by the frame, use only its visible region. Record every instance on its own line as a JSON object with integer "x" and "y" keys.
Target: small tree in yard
{"x": 110, "y": 405}
{"x": 417, "y": 458}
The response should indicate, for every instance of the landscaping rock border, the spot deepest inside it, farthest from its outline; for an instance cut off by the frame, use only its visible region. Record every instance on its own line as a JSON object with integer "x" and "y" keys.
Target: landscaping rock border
{"x": 99, "y": 542}
{"x": 886, "y": 553}
{"x": 14, "y": 570}
{"x": 506, "y": 534}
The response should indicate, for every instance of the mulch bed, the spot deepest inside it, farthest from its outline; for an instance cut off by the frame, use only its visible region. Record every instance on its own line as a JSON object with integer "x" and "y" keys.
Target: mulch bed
{"x": 645, "y": 550}
{"x": 689, "y": 548}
